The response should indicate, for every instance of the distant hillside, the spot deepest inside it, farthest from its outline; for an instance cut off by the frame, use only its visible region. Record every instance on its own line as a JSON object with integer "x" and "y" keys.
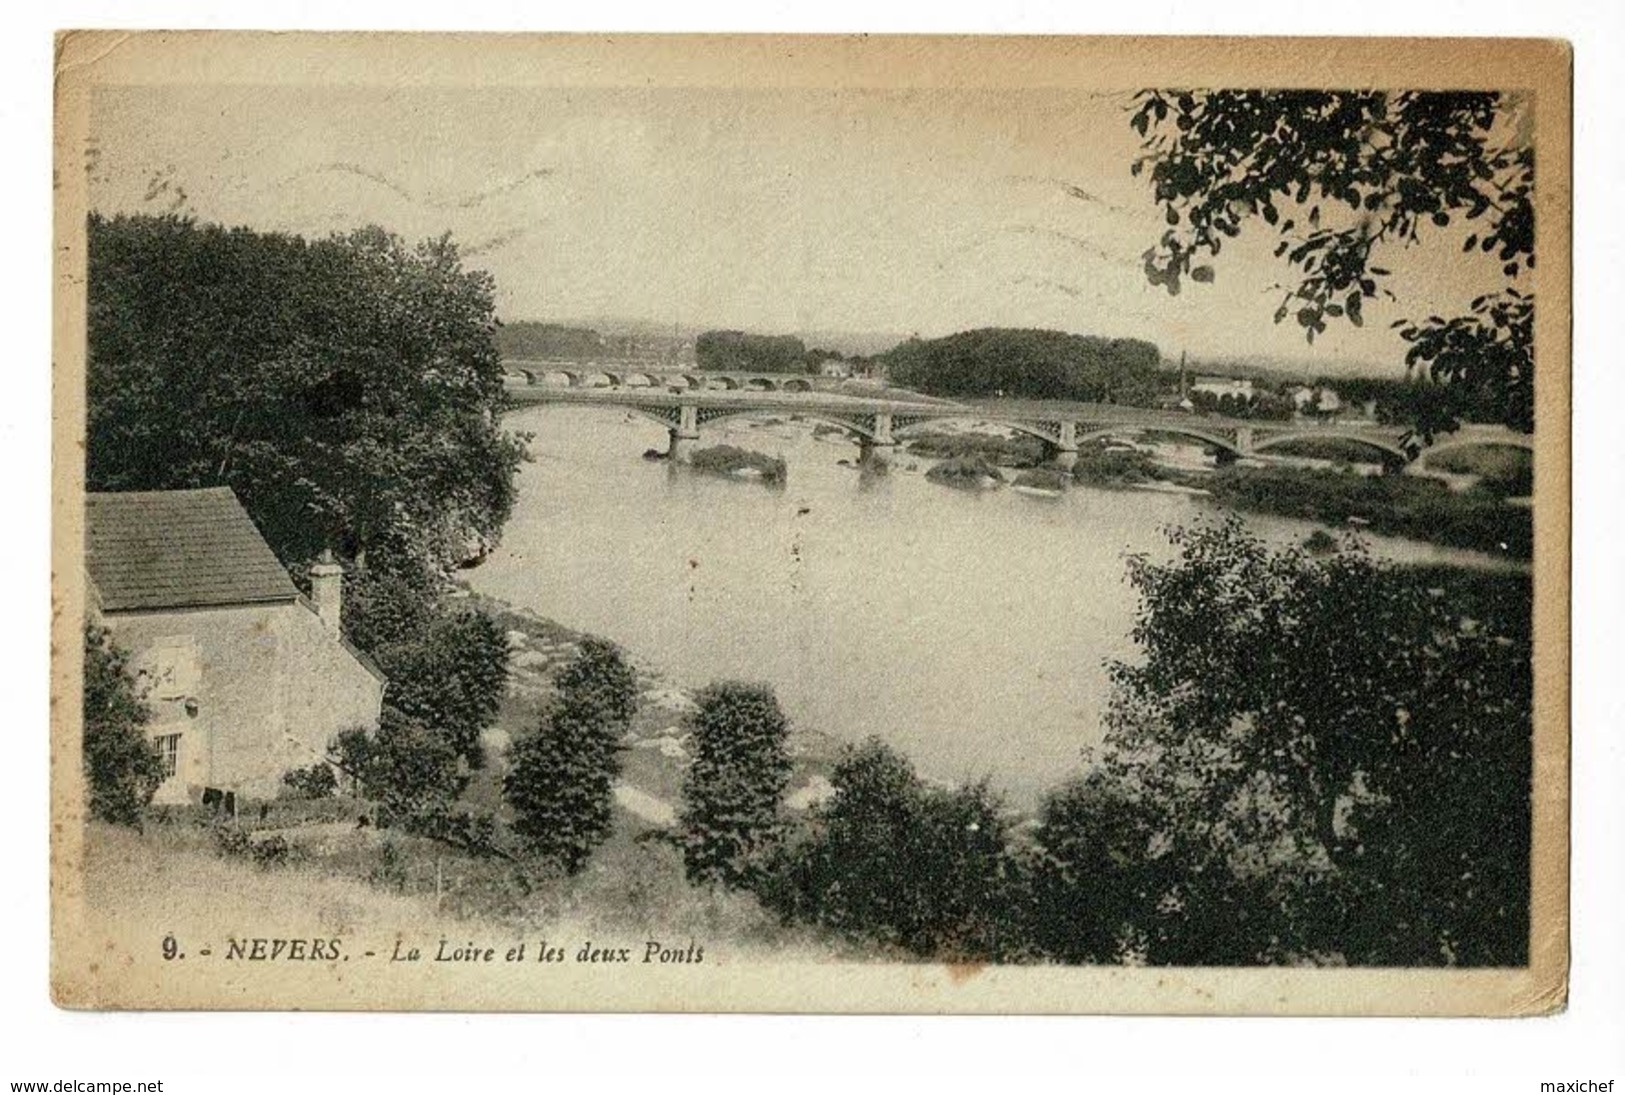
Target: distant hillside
{"x": 548, "y": 341}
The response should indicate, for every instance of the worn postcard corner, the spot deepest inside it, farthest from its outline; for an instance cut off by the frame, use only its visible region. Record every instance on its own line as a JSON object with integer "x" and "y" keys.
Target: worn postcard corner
{"x": 819, "y": 524}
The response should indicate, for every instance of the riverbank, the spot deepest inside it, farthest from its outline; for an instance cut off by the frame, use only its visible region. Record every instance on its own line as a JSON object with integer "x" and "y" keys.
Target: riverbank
{"x": 1479, "y": 517}
{"x": 657, "y": 745}
{"x": 1392, "y": 505}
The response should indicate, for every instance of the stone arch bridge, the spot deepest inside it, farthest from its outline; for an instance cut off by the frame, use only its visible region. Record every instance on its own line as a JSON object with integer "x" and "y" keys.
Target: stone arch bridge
{"x": 634, "y": 377}
{"x": 877, "y": 424}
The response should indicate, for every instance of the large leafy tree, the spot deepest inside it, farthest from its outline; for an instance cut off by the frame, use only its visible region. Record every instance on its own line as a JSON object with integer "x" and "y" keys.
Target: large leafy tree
{"x": 1343, "y": 177}
{"x": 347, "y": 388}
{"x": 1320, "y": 758}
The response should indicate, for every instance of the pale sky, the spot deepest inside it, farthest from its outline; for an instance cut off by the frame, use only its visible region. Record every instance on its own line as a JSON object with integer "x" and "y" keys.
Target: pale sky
{"x": 781, "y": 211}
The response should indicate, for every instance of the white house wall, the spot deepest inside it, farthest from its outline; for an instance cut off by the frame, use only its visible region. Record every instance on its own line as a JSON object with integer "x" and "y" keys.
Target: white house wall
{"x": 271, "y": 689}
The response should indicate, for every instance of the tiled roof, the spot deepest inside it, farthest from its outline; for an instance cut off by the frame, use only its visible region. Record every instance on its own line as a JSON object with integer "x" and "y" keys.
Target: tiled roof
{"x": 178, "y": 549}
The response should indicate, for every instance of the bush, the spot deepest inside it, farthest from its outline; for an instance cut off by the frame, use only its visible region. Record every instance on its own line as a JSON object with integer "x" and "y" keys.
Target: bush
{"x": 390, "y": 871}
{"x": 966, "y": 473}
{"x": 1320, "y": 542}
{"x": 598, "y": 683}
{"x": 892, "y": 861}
{"x": 122, "y": 768}
{"x": 1099, "y": 466}
{"x": 447, "y": 667}
{"x": 234, "y": 842}
{"x": 471, "y": 831}
{"x": 561, "y": 778}
{"x": 730, "y": 459}
{"x": 1092, "y": 873}
{"x": 403, "y": 766}
{"x": 1021, "y": 451}
{"x": 1051, "y": 479}
{"x": 450, "y": 679}
{"x": 1395, "y": 505}
{"x": 734, "y": 788}
{"x": 316, "y": 781}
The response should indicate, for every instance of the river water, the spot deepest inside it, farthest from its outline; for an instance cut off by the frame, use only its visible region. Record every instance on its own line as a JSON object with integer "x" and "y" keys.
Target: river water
{"x": 969, "y": 630}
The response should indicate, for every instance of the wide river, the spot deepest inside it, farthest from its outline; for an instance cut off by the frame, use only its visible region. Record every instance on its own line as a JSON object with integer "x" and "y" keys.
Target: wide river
{"x": 969, "y": 630}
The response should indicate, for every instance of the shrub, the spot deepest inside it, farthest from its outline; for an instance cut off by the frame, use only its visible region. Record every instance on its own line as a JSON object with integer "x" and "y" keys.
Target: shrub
{"x": 390, "y": 870}
{"x": 403, "y": 766}
{"x": 450, "y": 679}
{"x": 1320, "y": 542}
{"x": 1091, "y": 872}
{"x": 598, "y": 683}
{"x": 472, "y": 831}
{"x": 561, "y": 778}
{"x": 1051, "y": 479}
{"x": 560, "y": 787}
{"x": 1021, "y": 451}
{"x": 893, "y": 861}
{"x": 1102, "y": 467}
{"x": 735, "y": 785}
{"x": 315, "y": 781}
{"x": 273, "y": 851}
{"x": 234, "y": 842}
{"x": 447, "y": 667}
{"x": 966, "y": 473}
{"x": 729, "y": 459}
{"x": 122, "y": 768}
{"x": 1396, "y": 505}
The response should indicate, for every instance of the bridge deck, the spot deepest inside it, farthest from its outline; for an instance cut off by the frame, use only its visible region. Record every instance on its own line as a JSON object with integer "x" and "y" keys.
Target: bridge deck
{"x": 1021, "y": 414}
{"x": 1011, "y": 411}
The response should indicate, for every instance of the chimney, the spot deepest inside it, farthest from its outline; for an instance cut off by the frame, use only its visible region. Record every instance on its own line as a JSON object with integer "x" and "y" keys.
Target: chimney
{"x": 327, "y": 591}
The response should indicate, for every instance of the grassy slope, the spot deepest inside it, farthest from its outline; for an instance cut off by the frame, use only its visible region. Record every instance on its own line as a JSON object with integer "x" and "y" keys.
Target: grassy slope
{"x": 343, "y": 878}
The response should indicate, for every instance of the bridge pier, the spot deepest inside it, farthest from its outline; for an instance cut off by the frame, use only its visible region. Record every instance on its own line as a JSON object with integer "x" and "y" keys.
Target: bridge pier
{"x": 1064, "y": 454}
{"x": 875, "y": 452}
{"x": 682, "y": 436}
{"x": 680, "y": 446}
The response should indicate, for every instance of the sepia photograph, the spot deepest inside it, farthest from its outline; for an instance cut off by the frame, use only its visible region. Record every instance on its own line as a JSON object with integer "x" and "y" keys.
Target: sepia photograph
{"x": 811, "y": 524}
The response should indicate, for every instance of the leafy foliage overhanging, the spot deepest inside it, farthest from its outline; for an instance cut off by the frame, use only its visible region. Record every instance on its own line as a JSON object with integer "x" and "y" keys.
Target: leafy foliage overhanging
{"x": 1343, "y": 176}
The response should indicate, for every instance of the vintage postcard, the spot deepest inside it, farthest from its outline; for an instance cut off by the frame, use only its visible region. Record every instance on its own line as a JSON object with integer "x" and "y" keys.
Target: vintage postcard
{"x": 857, "y": 524}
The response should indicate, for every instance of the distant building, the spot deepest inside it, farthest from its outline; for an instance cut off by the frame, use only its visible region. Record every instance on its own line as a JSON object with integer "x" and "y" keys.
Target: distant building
{"x": 1221, "y": 386}
{"x": 835, "y": 368}
{"x": 246, "y": 678}
{"x": 1310, "y": 399}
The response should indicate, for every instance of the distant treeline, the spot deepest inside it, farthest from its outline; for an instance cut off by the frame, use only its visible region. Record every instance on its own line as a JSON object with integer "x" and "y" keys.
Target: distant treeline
{"x": 1401, "y": 402}
{"x": 548, "y": 341}
{"x": 742, "y": 352}
{"x": 1029, "y": 364}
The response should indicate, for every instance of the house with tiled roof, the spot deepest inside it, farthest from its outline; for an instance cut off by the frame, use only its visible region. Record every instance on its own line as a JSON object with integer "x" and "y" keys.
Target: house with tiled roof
{"x": 246, "y": 677}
